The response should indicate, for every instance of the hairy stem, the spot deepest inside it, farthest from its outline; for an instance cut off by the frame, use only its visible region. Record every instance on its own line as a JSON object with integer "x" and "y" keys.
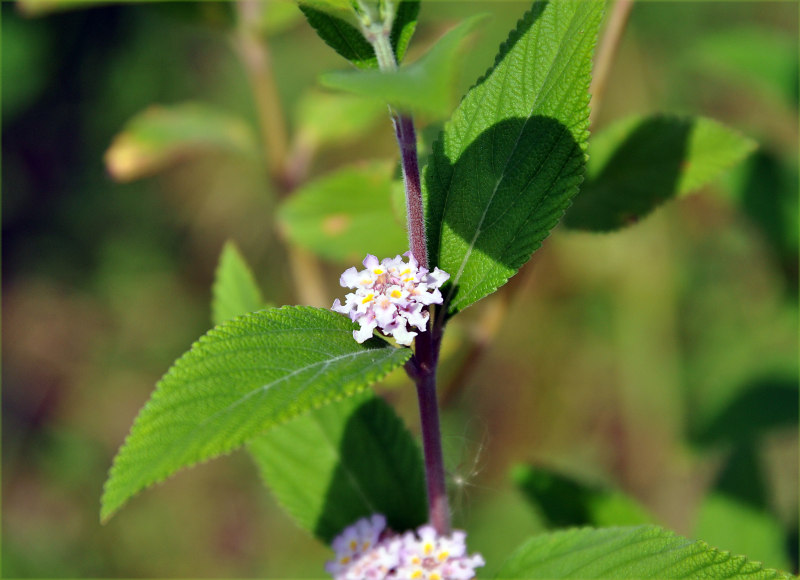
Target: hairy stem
{"x": 422, "y": 366}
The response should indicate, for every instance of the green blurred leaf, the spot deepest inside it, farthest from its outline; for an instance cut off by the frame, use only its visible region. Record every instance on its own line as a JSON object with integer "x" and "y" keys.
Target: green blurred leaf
{"x": 740, "y": 55}
{"x": 565, "y": 501}
{"x": 347, "y": 460}
{"x": 240, "y": 379}
{"x": 235, "y": 291}
{"x": 511, "y": 157}
{"x": 161, "y": 136}
{"x": 632, "y": 552}
{"x": 43, "y": 7}
{"x": 640, "y": 162}
{"x": 733, "y": 525}
{"x": 333, "y": 21}
{"x": 327, "y": 118}
{"x": 425, "y": 86}
{"x": 346, "y": 215}
{"x": 278, "y": 16}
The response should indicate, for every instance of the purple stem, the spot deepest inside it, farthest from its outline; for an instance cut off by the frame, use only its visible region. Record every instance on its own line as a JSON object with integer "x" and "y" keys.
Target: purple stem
{"x": 422, "y": 366}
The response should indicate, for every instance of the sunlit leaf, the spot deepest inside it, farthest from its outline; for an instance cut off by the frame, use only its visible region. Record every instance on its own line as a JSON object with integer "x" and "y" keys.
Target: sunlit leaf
{"x": 731, "y": 524}
{"x": 240, "y": 379}
{"x": 161, "y": 136}
{"x": 335, "y": 24}
{"x": 512, "y": 155}
{"x": 640, "y": 162}
{"x": 330, "y": 118}
{"x": 346, "y": 215}
{"x": 425, "y": 86}
{"x": 342, "y": 462}
{"x": 565, "y": 501}
{"x": 235, "y": 291}
{"x": 620, "y": 553}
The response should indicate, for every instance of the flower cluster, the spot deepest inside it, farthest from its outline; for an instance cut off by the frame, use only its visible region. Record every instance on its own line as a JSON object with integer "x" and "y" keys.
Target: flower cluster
{"x": 368, "y": 550}
{"x": 390, "y": 295}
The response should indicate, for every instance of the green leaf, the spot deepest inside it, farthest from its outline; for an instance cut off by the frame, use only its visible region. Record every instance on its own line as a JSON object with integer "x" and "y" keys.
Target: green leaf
{"x": 239, "y": 380}
{"x": 330, "y": 119}
{"x": 633, "y": 552}
{"x": 342, "y": 462}
{"x": 511, "y": 157}
{"x": 161, "y": 136}
{"x": 565, "y": 501}
{"x": 330, "y": 20}
{"x": 235, "y": 291}
{"x": 346, "y": 215}
{"x": 639, "y": 163}
{"x": 425, "y": 86}
{"x": 724, "y": 521}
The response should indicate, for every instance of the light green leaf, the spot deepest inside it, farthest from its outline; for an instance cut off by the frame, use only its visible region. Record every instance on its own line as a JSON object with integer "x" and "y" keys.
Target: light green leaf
{"x": 346, "y": 215}
{"x": 425, "y": 86}
{"x": 633, "y": 552}
{"x": 335, "y": 24}
{"x": 239, "y": 380}
{"x": 511, "y": 157}
{"x": 342, "y": 462}
{"x": 161, "y": 136}
{"x": 637, "y": 164}
{"x": 328, "y": 118}
{"x": 565, "y": 501}
{"x": 726, "y": 522}
{"x": 235, "y": 291}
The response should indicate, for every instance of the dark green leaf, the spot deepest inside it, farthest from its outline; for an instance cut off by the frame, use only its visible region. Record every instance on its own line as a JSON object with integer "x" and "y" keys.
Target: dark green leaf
{"x": 512, "y": 155}
{"x": 564, "y": 501}
{"x": 330, "y": 20}
{"x": 640, "y": 162}
{"x": 240, "y": 379}
{"x": 161, "y": 136}
{"x": 346, "y": 215}
{"x": 344, "y": 461}
{"x": 235, "y": 291}
{"x": 425, "y": 86}
{"x": 618, "y": 553}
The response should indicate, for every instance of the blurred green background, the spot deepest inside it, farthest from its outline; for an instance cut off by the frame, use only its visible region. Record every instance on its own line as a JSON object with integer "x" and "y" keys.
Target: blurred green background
{"x": 661, "y": 361}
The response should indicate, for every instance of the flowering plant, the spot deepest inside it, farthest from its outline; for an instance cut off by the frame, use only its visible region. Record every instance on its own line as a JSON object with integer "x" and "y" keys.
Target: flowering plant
{"x": 293, "y": 382}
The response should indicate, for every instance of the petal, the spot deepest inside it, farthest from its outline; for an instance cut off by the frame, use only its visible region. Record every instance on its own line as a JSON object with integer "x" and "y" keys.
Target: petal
{"x": 365, "y": 332}
{"x": 402, "y": 335}
{"x": 371, "y": 262}
{"x": 349, "y": 278}
{"x": 437, "y": 277}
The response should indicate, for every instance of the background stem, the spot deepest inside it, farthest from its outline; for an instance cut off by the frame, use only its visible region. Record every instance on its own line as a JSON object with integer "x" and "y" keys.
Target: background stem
{"x": 606, "y": 52}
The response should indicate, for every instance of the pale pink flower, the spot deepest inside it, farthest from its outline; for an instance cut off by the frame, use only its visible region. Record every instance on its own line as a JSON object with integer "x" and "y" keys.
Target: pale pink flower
{"x": 390, "y": 296}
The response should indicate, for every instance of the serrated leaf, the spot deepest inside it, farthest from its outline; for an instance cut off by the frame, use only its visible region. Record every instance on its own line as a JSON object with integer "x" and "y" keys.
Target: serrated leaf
{"x": 161, "y": 136}
{"x": 638, "y": 163}
{"x": 425, "y": 86}
{"x": 632, "y": 552}
{"x": 346, "y": 215}
{"x": 235, "y": 291}
{"x": 724, "y": 521}
{"x": 511, "y": 157}
{"x": 565, "y": 501}
{"x": 330, "y": 20}
{"x": 240, "y": 379}
{"x": 328, "y": 118}
{"x": 342, "y": 462}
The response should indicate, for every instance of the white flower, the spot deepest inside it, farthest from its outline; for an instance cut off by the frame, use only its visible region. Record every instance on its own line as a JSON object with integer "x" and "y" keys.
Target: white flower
{"x": 422, "y": 555}
{"x": 391, "y": 296}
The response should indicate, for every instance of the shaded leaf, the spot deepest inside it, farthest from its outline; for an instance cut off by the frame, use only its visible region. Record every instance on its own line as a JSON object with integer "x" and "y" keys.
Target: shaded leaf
{"x": 632, "y": 552}
{"x": 235, "y": 291}
{"x": 564, "y": 501}
{"x": 344, "y": 461}
{"x": 511, "y": 157}
{"x": 346, "y": 215}
{"x": 333, "y": 22}
{"x": 425, "y": 86}
{"x": 639, "y": 163}
{"x": 240, "y": 379}
{"x": 161, "y": 136}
